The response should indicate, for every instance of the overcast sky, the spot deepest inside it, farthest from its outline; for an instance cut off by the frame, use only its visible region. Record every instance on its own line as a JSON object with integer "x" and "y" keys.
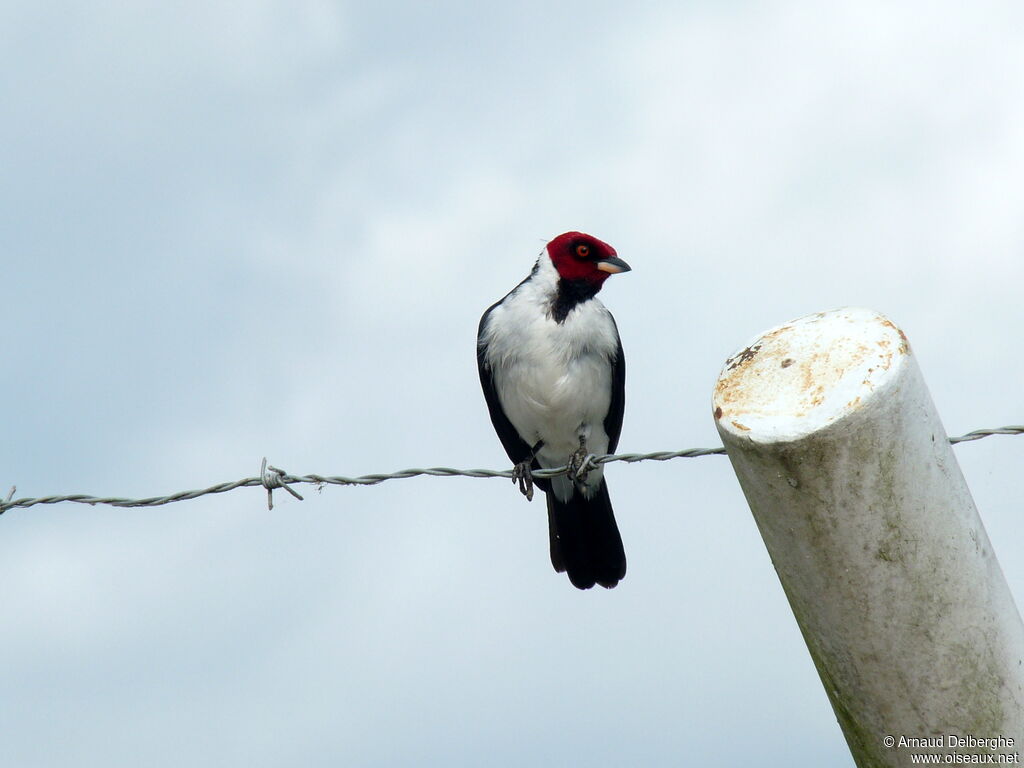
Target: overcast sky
{"x": 235, "y": 230}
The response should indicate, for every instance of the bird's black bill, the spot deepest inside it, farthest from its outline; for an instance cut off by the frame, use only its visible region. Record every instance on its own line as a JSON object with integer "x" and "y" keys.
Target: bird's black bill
{"x": 613, "y": 265}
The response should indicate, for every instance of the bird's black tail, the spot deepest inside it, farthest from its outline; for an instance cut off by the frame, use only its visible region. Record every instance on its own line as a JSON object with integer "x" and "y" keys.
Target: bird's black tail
{"x": 585, "y": 540}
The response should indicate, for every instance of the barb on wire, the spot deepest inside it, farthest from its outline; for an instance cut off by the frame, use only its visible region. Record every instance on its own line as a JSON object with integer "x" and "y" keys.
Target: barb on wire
{"x": 271, "y": 477}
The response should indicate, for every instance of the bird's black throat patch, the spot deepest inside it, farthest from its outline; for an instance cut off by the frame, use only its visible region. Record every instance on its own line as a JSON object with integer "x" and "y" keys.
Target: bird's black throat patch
{"x": 570, "y": 293}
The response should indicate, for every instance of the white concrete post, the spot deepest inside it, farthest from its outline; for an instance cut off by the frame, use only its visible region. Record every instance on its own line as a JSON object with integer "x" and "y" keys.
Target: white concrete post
{"x": 876, "y": 540}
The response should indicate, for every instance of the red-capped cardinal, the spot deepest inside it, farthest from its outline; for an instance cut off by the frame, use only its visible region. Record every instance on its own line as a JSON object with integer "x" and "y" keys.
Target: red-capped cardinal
{"x": 553, "y": 374}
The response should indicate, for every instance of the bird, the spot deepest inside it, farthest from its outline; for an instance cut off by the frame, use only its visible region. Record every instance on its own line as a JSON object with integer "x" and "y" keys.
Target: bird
{"x": 553, "y": 375}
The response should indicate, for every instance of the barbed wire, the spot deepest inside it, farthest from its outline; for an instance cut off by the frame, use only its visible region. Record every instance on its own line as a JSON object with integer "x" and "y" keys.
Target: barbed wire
{"x": 980, "y": 433}
{"x": 271, "y": 477}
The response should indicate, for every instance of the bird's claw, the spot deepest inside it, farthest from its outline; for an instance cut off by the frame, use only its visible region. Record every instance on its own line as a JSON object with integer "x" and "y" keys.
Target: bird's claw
{"x": 521, "y": 474}
{"x": 580, "y": 463}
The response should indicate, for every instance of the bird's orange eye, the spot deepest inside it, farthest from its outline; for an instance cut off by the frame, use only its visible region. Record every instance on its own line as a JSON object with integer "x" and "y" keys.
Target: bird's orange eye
{"x": 582, "y": 250}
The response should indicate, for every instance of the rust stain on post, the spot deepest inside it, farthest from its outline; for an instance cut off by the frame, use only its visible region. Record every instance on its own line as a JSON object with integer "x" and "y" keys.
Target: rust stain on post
{"x": 743, "y": 357}
{"x": 805, "y": 376}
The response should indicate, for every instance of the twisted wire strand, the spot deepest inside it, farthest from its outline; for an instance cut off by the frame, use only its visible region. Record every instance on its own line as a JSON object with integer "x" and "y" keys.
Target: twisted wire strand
{"x": 980, "y": 433}
{"x": 272, "y": 477}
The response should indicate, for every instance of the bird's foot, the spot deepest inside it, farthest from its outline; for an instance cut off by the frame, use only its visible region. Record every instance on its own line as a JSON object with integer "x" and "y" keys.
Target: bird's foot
{"x": 521, "y": 474}
{"x": 580, "y": 462}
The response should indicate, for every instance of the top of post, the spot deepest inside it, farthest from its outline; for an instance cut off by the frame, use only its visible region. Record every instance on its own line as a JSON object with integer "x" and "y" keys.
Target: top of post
{"x": 807, "y": 374}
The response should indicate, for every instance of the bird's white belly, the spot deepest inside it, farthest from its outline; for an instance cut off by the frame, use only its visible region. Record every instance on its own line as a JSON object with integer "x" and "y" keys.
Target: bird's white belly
{"x": 557, "y": 402}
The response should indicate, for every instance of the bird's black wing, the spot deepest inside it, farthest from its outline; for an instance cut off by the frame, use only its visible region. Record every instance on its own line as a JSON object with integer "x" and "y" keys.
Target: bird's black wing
{"x": 516, "y": 448}
{"x": 613, "y": 421}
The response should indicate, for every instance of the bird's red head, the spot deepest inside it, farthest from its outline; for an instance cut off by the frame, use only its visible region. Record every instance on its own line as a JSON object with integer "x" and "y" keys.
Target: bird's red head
{"x": 578, "y": 256}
